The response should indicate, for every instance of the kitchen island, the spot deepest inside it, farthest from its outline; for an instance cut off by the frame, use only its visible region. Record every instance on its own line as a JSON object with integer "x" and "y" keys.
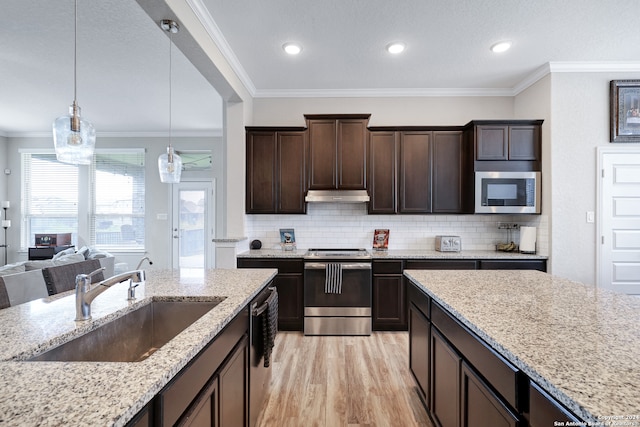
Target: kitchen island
{"x": 108, "y": 393}
{"x": 577, "y": 343}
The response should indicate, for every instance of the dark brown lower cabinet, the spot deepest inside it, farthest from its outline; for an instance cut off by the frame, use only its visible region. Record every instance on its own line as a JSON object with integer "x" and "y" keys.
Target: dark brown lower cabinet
{"x": 419, "y": 345}
{"x": 205, "y": 411}
{"x": 290, "y": 301}
{"x": 441, "y": 264}
{"x": 234, "y": 387}
{"x": 290, "y": 285}
{"x": 505, "y": 264}
{"x": 544, "y": 410}
{"x": 223, "y": 401}
{"x": 144, "y": 418}
{"x": 480, "y": 406}
{"x": 389, "y": 296}
{"x": 463, "y": 381}
{"x": 445, "y": 382}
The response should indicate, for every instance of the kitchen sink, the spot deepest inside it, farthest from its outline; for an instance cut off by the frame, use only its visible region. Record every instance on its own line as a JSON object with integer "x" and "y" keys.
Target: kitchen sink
{"x": 132, "y": 337}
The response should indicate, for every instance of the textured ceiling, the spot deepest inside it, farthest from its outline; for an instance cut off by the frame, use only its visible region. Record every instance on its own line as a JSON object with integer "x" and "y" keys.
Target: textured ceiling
{"x": 123, "y": 55}
{"x": 123, "y": 71}
{"x": 447, "y": 41}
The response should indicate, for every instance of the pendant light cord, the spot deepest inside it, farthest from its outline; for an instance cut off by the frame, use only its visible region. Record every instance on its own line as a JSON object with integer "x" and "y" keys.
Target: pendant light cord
{"x": 75, "y": 53}
{"x": 170, "y": 84}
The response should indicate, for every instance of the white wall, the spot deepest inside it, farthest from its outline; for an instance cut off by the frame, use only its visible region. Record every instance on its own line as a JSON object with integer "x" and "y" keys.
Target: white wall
{"x": 535, "y": 103}
{"x": 408, "y": 111}
{"x": 4, "y": 186}
{"x": 579, "y": 124}
{"x": 157, "y": 232}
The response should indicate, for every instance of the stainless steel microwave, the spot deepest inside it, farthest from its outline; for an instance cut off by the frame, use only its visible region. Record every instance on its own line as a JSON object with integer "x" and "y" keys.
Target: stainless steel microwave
{"x": 508, "y": 192}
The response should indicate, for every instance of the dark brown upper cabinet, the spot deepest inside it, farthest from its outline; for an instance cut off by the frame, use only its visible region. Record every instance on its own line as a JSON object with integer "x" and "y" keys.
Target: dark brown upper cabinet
{"x": 383, "y": 172}
{"x": 513, "y": 145}
{"x": 415, "y": 171}
{"x": 276, "y": 178}
{"x": 337, "y": 151}
{"x": 419, "y": 171}
{"x": 452, "y": 178}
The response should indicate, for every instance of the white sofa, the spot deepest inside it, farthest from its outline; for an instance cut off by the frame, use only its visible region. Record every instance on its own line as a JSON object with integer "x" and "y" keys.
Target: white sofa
{"x": 25, "y": 281}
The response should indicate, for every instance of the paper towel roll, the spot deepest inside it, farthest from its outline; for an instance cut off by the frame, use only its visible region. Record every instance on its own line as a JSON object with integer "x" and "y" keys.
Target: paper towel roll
{"x": 528, "y": 240}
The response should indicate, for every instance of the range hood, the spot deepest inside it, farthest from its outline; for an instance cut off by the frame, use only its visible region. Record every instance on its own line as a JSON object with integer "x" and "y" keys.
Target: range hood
{"x": 337, "y": 196}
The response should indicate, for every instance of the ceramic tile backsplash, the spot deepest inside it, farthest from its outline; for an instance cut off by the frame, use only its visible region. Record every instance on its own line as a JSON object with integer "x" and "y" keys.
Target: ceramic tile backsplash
{"x": 349, "y": 225}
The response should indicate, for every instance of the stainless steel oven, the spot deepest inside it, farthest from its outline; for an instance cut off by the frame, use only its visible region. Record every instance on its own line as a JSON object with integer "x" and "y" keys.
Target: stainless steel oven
{"x": 337, "y": 292}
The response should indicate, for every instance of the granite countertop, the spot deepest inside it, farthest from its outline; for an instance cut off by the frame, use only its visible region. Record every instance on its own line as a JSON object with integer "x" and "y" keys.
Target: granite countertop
{"x": 107, "y": 393}
{"x": 578, "y": 342}
{"x": 398, "y": 254}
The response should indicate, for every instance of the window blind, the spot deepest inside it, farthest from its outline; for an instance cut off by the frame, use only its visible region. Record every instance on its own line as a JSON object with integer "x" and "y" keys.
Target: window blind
{"x": 54, "y": 197}
{"x": 50, "y": 197}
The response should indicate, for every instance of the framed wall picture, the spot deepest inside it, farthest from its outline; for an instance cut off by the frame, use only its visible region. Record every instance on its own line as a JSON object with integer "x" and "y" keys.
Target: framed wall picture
{"x": 625, "y": 110}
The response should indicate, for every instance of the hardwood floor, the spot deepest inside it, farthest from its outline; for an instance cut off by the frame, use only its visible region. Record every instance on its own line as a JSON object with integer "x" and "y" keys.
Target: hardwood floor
{"x": 342, "y": 381}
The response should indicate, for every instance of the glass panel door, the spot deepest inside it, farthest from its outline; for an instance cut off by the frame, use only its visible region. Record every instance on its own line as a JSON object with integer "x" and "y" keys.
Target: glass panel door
{"x": 192, "y": 230}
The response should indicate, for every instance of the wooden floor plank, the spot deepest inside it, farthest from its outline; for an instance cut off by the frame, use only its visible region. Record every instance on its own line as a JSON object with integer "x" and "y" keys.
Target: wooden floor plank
{"x": 342, "y": 382}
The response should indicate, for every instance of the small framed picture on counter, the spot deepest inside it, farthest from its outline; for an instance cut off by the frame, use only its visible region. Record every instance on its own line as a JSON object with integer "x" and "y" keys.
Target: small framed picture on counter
{"x": 287, "y": 239}
{"x": 381, "y": 239}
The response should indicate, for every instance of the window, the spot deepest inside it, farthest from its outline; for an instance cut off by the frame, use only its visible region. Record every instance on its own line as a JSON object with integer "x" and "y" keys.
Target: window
{"x": 50, "y": 197}
{"x": 117, "y": 220}
{"x": 109, "y": 193}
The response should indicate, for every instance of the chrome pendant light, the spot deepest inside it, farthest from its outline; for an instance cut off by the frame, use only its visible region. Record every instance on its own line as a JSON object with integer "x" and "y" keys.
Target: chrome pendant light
{"x": 74, "y": 138}
{"x": 170, "y": 164}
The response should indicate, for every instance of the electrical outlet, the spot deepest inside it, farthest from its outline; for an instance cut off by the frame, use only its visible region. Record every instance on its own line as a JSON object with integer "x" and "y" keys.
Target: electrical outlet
{"x": 508, "y": 226}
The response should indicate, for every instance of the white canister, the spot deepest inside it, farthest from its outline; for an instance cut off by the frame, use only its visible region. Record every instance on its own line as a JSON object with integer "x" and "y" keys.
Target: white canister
{"x": 528, "y": 240}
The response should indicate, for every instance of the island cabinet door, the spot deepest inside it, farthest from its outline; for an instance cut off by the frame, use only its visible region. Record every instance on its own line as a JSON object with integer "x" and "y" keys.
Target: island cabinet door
{"x": 234, "y": 388}
{"x": 544, "y": 410}
{"x": 419, "y": 340}
{"x": 191, "y": 394}
{"x": 205, "y": 411}
{"x": 480, "y": 406}
{"x": 445, "y": 382}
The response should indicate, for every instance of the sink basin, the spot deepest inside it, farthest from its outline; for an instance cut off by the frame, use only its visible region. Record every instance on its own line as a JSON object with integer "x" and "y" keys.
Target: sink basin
{"x": 132, "y": 337}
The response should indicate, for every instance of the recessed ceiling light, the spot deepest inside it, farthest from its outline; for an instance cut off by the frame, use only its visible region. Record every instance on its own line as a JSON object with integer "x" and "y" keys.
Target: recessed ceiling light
{"x": 500, "y": 47}
{"x": 396, "y": 47}
{"x": 292, "y": 48}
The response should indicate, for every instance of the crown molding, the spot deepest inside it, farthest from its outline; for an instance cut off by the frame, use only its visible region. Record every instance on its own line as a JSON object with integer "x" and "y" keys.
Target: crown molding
{"x": 594, "y": 67}
{"x": 210, "y": 26}
{"x": 381, "y": 93}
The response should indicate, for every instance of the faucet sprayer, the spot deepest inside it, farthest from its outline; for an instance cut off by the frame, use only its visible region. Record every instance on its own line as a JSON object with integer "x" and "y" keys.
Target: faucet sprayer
{"x": 143, "y": 260}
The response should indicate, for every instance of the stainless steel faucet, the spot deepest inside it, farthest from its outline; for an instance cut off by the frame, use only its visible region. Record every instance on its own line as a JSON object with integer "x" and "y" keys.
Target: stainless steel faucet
{"x": 85, "y": 293}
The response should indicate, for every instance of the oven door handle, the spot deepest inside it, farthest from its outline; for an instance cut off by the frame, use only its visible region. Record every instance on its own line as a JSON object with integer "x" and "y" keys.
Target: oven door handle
{"x": 257, "y": 311}
{"x": 345, "y": 265}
